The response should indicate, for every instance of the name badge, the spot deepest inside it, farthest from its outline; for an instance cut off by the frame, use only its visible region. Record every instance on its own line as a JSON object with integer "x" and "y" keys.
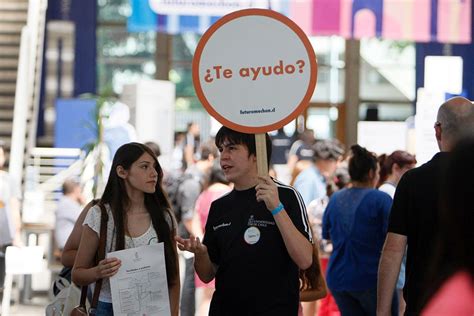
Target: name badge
{"x": 252, "y": 235}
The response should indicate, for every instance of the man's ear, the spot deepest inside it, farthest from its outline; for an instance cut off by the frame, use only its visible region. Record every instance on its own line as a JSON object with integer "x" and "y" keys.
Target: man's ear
{"x": 121, "y": 172}
{"x": 438, "y": 132}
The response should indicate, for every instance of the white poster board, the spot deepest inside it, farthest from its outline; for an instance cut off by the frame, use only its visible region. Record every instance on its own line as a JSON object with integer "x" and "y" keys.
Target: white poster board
{"x": 152, "y": 104}
{"x": 426, "y": 112}
{"x": 382, "y": 137}
{"x": 443, "y": 73}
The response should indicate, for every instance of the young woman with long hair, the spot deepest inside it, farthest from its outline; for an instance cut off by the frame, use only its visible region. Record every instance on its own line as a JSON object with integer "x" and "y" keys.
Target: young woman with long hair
{"x": 138, "y": 214}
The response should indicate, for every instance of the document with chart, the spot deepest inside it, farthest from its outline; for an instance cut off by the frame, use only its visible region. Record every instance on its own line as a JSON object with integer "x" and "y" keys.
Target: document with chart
{"x": 140, "y": 286}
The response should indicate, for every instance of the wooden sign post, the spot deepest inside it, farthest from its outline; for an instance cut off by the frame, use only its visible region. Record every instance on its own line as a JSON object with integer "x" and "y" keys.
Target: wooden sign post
{"x": 254, "y": 71}
{"x": 261, "y": 148}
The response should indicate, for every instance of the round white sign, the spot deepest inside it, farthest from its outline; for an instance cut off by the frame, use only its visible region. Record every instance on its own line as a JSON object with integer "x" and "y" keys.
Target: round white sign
{"x": 254, "y": 70}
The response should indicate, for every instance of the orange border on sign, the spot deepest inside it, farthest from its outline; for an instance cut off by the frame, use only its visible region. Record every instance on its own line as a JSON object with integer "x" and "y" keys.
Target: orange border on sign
{"x": 312, "y": 61}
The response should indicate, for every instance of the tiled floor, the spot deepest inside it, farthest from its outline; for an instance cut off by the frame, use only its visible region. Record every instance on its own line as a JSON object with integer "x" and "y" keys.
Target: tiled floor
{"x": 35, "y": 307}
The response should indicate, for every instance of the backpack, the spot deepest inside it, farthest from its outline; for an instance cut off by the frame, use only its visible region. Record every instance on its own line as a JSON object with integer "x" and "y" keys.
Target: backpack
{"x": 171, "y": 185}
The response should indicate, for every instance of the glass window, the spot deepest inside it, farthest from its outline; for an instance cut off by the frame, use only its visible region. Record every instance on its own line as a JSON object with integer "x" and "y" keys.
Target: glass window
{"x": 113, "y": 10}
{"x": 122, "y": 57}
{"x": 181, "y": 75}
{"x": 387, "y": 70}
{"x": 385, "y": 111}
{"x": 184, "y": 46}
{"x": 322, "y": 120}
{"x": 117, "y": 42}
{"x": 330, "y": 52}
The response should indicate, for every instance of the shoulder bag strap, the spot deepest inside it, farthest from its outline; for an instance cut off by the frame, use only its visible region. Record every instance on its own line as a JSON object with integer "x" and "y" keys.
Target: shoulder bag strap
{"x": 101, "y": 252}
{"x": 82, "y": 303}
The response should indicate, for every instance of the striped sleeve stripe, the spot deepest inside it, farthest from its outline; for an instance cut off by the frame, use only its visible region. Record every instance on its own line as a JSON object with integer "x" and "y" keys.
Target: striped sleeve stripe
{"x": 304, "y": 213}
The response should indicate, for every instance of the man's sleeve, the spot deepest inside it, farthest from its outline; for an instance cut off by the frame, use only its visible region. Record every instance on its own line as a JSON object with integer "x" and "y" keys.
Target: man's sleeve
{"x": 296, "y": 210}
{"x": 210, "y": 239}
{"x": 401, "y": 208}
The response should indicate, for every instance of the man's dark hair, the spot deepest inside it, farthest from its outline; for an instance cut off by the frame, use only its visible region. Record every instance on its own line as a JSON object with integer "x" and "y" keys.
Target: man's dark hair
{"x": 328, "y": 149}
{"x": 239, "y": 138}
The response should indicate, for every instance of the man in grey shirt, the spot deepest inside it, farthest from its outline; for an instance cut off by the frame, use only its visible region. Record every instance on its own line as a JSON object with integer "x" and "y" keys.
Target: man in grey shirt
{"x": 191, "y": 186}
{"x": 68, "y": 210}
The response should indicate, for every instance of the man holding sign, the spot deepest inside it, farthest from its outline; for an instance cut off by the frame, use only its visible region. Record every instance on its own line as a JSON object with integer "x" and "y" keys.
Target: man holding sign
{"x": 257, "y": 237}
{"x": 254, "y": 71}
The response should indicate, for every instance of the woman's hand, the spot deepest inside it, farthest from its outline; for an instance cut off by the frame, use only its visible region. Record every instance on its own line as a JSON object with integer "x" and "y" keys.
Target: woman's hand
{"x": 267, "y": 192}
{"x": 107, "y": 268}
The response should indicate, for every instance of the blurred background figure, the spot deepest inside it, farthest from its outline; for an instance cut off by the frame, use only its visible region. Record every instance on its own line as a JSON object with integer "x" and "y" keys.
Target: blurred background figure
{"x": 10, "y": 220}
{"x": 217, "y": 186}
{"x": 340, "y": 180}
{"x": 183, "y": 192}
{"x": 117, "y": 128}
{"x": 281, "y": 146}
{"x": 177, "y": 156}
{"x": 356, "y": 221}
{"x": 414, "y": 218}
{"x": 312, "y": 181}
{"x": 191, "y": 144}
{"x": 154, "y": 147}
{"x": 392, "y": 168}
{"x": 68, "y": 210}
{"x": 301, "y": 153}
{"x": 451, "y": 290}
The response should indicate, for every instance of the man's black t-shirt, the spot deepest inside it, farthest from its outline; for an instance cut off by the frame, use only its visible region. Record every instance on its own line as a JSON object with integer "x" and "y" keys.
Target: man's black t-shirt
{"x": 255, "y": 274}
{"x": 415, "y": 215}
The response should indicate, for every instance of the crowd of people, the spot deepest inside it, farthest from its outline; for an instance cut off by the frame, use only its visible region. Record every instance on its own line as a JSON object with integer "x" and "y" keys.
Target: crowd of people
{"x": 333, "y": 232}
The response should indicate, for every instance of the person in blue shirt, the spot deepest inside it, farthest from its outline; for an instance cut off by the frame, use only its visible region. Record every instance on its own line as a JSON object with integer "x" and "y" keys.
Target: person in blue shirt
{"x": 311, "y": 182}
{"x": 356, "y": 221}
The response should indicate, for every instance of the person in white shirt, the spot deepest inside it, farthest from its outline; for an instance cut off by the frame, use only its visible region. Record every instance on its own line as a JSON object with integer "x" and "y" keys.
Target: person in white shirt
{"x": 68, "y": 210}
{"x": 392, "y": 168}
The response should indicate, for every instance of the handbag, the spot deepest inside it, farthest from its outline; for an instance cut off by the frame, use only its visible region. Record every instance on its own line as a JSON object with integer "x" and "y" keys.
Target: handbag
{"x": 81, "y": 309}
{"x": 63, "y": 280}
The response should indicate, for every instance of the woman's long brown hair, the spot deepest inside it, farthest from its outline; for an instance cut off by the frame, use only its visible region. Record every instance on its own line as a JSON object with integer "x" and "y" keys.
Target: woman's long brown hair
{"x": 157, "y": 205}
